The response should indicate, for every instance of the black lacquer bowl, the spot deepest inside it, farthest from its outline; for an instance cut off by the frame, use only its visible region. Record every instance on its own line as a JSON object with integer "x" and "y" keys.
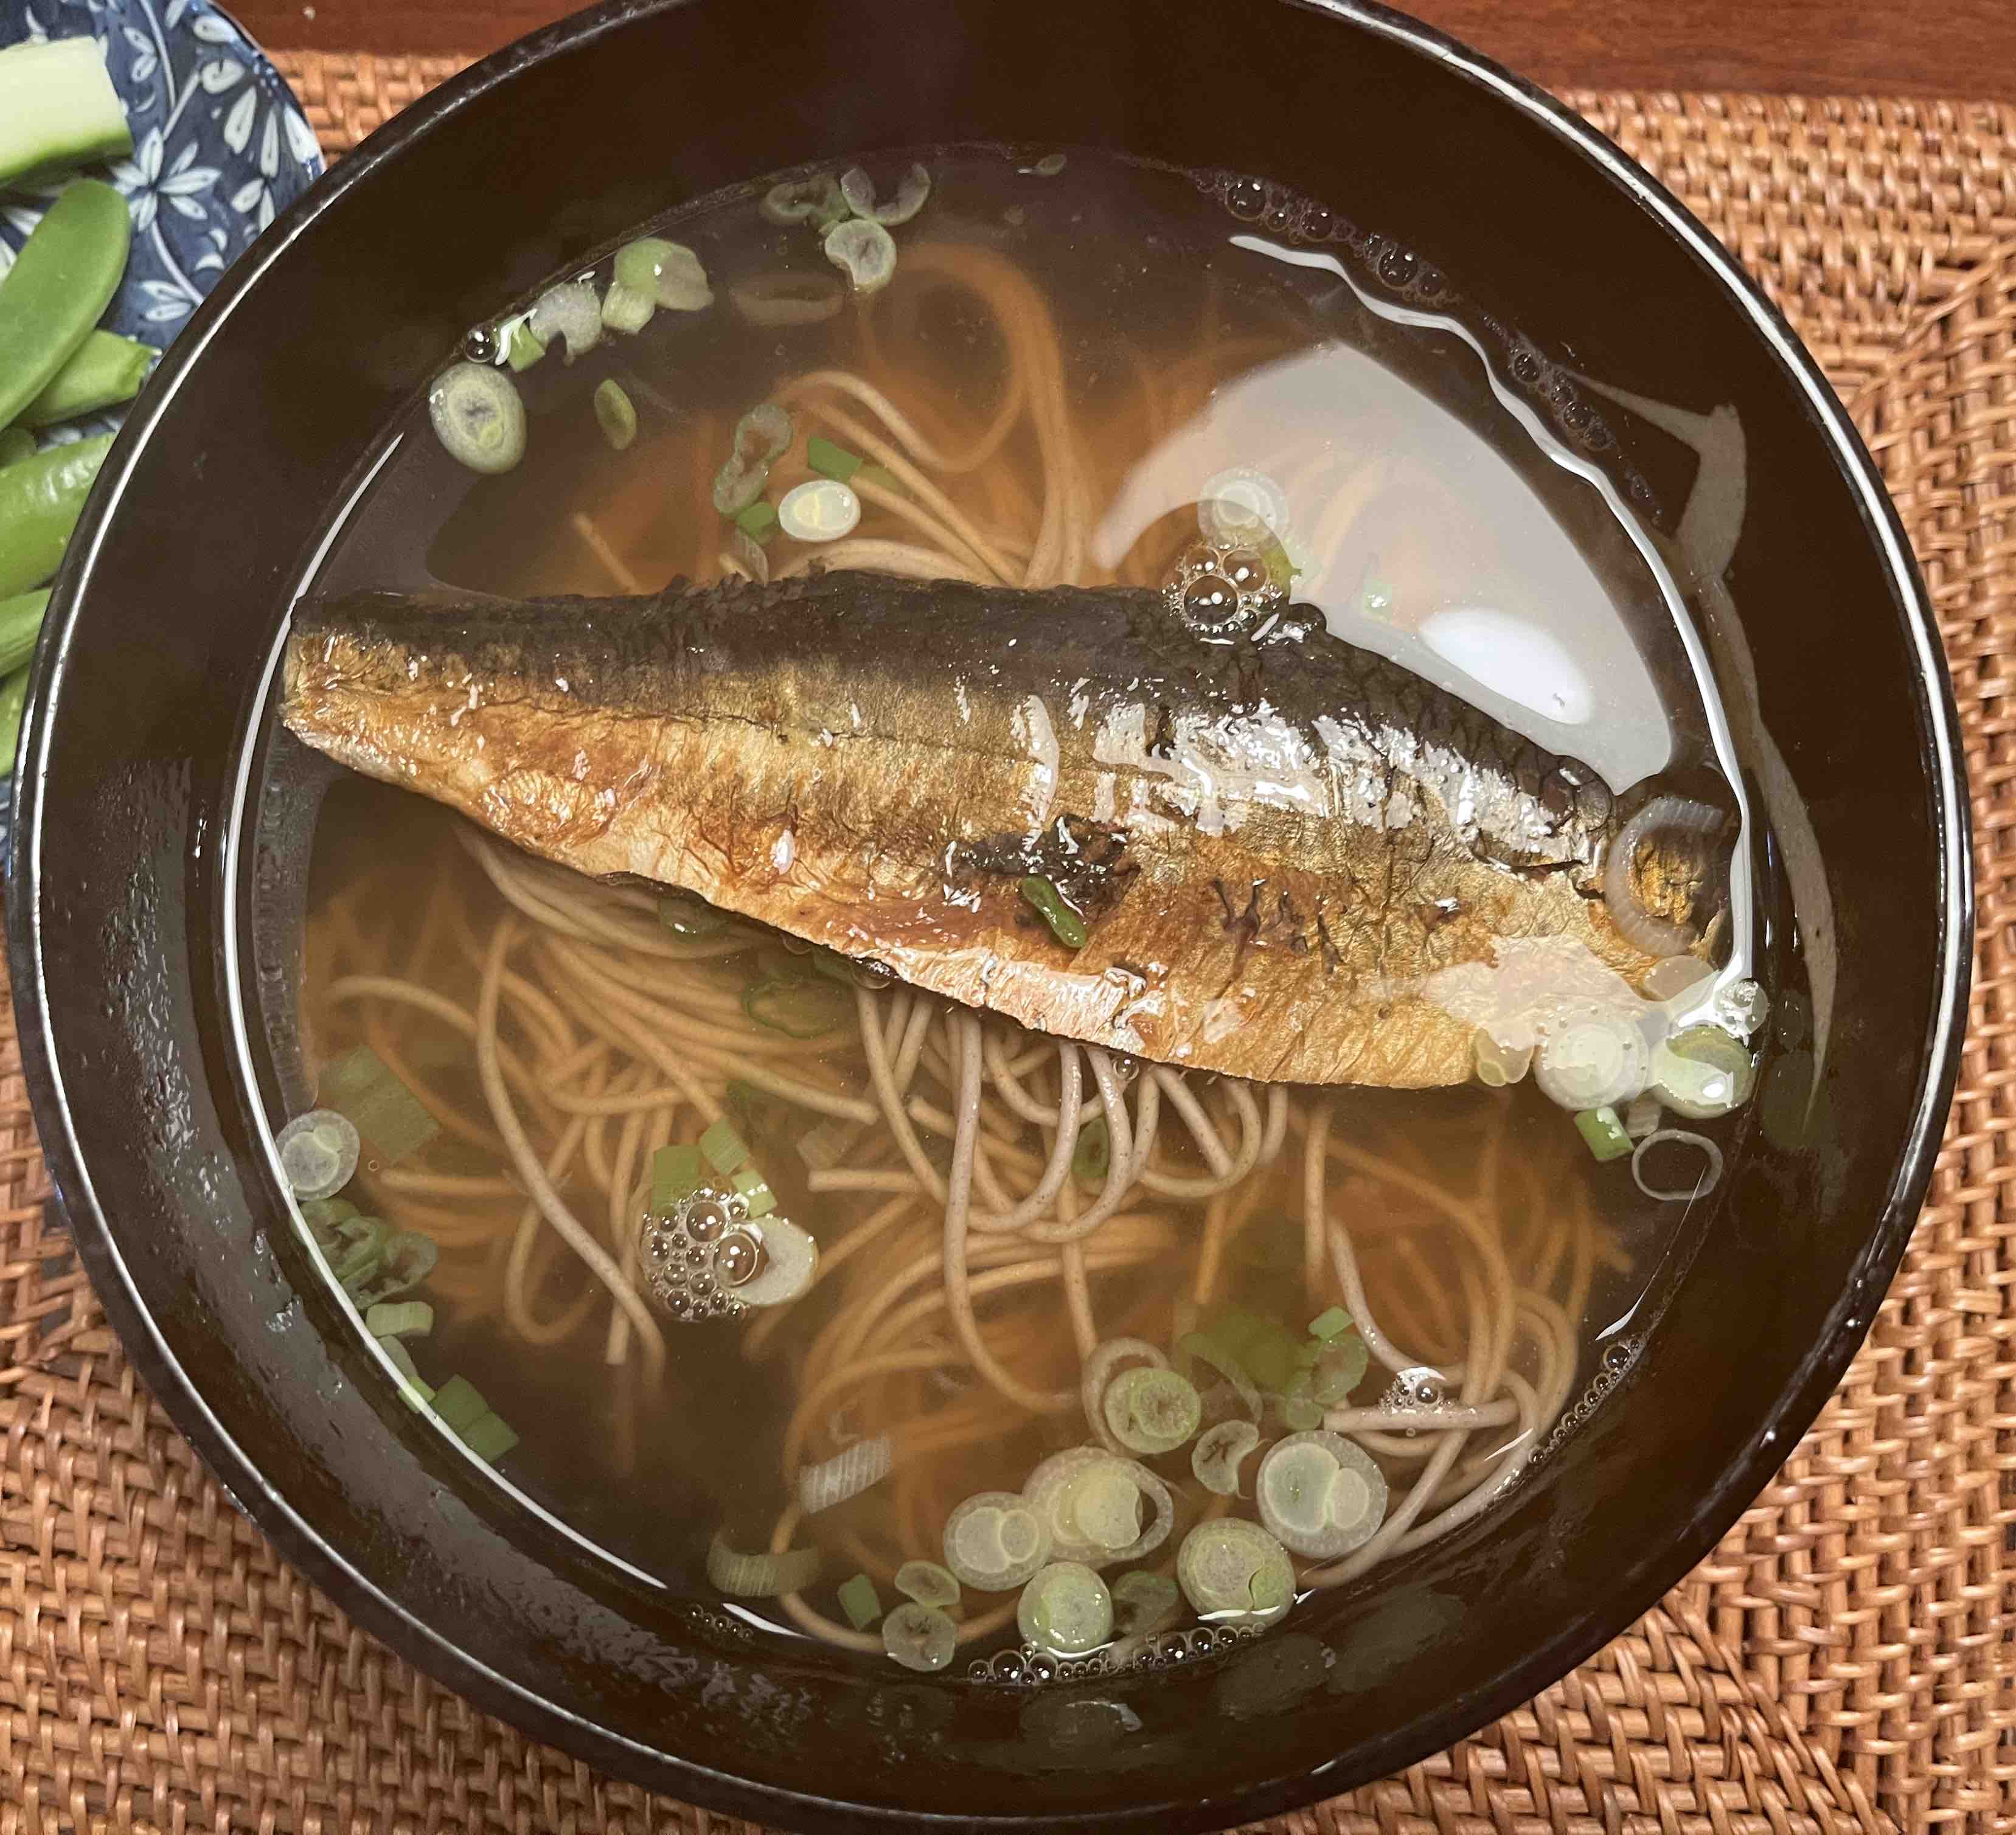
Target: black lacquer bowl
{"x": 127, "y": 859}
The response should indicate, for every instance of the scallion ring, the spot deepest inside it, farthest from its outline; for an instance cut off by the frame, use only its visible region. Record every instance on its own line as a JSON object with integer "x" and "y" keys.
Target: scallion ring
{"x": 1233, "y": 1571}
{"x": 478, "y": 417}
{"x": 760, "y": 1576}
{"x": 865, "y": 250}
{"x": 319, "y": 1154}
{"x": 570, "y": 311}
{"x": 919, "y": 1636}
{"x": 1065, "y": 1609}
{"x": 615, "y": 413}
{"x": 1321, "y": 1495}
{"x": 994, "y": 1541}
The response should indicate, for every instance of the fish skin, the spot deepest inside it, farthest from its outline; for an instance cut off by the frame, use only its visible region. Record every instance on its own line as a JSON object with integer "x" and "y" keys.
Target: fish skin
{"x": 1292, "y": 832}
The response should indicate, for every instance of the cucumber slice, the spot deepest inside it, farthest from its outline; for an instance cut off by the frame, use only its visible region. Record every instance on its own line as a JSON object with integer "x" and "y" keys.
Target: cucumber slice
{"x": 57, "y": 107}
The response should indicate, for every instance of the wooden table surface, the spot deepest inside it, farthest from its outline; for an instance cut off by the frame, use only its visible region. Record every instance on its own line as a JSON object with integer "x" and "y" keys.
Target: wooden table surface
{"x": 1951, "y": 48}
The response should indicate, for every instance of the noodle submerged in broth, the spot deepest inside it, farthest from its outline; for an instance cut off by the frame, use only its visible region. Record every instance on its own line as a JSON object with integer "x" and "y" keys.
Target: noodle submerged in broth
{"x": 902, "y": 1326}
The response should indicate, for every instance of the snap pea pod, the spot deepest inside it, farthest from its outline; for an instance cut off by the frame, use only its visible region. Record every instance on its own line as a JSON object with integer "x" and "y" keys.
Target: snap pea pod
{"x": 103, "y": 371}
{"x": 15, "y": 444}
{"x": 13, "y": 698}
{"x": 21, "y": 623}
{"x": 41, "y": 499}
{"x": 65, "y": 275}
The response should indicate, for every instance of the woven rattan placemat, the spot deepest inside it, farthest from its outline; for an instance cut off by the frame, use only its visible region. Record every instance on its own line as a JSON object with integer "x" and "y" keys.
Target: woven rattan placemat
{"x": 1847, "y": 1658}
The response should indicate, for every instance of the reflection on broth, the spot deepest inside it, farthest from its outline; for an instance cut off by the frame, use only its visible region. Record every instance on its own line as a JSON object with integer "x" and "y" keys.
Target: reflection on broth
{"x": 964, "y": 1234}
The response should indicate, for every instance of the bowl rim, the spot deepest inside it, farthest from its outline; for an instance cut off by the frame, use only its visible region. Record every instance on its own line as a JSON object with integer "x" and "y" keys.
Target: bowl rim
{"x": 1646, "y": 1578}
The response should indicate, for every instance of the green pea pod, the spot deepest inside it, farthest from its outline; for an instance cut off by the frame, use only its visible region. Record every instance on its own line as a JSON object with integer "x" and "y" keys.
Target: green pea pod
{"x": 103, "y": 371}
{"x": 65, "y": 275}
{"x": 41, "y": 499}
{"x": 15, "y": 444}
{"x": 13, "y": 698}
{"x": 20, "y": 623}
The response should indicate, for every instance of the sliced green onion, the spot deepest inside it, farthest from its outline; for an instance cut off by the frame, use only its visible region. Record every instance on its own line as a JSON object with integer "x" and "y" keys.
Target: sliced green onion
{"x": 615, "y": 413}
{"x": 1498, "y": 1065}
{"x": 688, "y": 915}
{"x": 1090, "y": 1502}
{"x": 927, "y": 1584}
{"x": 1603, "y": 1133}
{"x": 400, "y": 1319}
{"x": 1332, "y": 1322}
{"x": 836, "y": 462}
{"x": 1219, "y": 1453}
{"x": 1065, "y": 1609}
{"x": 667, "y": 273}
{"x": 1150, "y": 1410}
{"x": 773, "y": 300}
{"x": 1098, "y": 1372}
{"x": 1092, "y": 1157}
{"x": 723, "y": 1149}
{"x": 865, "y": 250}
{"x": 1145, "y": 1603}
{"x": 920, "y": 1637}
{"x": 1049, "y": 165}
{"x": 824, "y": 1145}
{"x": 791, "y": 1262}
{"x": 1705, "y": 1181}
{"x": 1643, "y": 1116}
{"x": 821, "y": 509}
{"x": 459, "y": 1403}
{"x": 846, "y": 1474}
{"x": 1321, "y": 1495}
{"x": 758, "y": 520}
{"x": 675, "y": 1174}
{"x": 1213, "y": 1355}
{"x": 382, "y": 1110}
{"x": 524, "y": 348}
{"x": 755, "y": 1190}
{"x": 858, "y": 189}
{"x": 816, "y": 201}
{"x": 994, "y": 1541}
{"x": 760, "y": 1576}
{"x": 570, "y": 311}
{"x": 323, "y": 1215}
{"x": 361, "y": 1244}
{"x": 408, "y": 1259}
{"x": 416, "y": 1389}
{"x": 626, "y": 310}
{"x": 764, "y": 433}
{"x": 798, "y": 1006}
{"x": 1340, "y": 1368}
{"x": 489, "y": 1437}
{"x": 1703, "y": 1072}
{"x": 1299, "y": 1414}
{"x": 879, "y": 475}
{"x": 1065, "y": 923}
{"x": 859, "y": 1600}
{"x": 1232, "y": 1570}
{"x": 318, "y": 1153}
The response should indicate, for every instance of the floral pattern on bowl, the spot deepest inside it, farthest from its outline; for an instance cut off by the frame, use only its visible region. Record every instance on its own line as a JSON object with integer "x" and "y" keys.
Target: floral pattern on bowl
{"x": 220, "y": 145}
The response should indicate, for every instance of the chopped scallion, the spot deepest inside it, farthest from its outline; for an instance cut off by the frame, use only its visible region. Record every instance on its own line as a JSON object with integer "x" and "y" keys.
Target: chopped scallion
{"x": 478, "y": 418}
{"x": 1603, "y": 1132}
{"x": 723, "y": 1149}
{"x": 524, "y": 348}
{"x": 459, "y": 1403}
{"x": 859, "y": 1600}
{"x": 928, "y": 1583}
{"x": 383, "y": 1111}
{"x": 800, "y": 1006}
{"x": 489, "y": 1438}
{"x": 836, "y": 462}
{"x": 755, "y": 1188}
{"x": 764, "y": 1576}
{"x": 1333, "y": 1321}
{"x": 865, "y": 250}
{"x": 1092, "y": 1157}
{"x": 400, "y": 1319}
{"x": 920, "y": 1637}
{"x": 757, "y": 520}
{"x": 1066, "y": 925}
{"x": 615, "y": 413}
{"x": 1065, "y": 1610}
{"x": 674, "y": 1175}
{"x": 1151, "y": 1411}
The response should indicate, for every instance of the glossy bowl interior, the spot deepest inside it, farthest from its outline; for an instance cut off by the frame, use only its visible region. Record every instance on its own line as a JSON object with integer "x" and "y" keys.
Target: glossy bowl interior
{"x": 127, "y": 860}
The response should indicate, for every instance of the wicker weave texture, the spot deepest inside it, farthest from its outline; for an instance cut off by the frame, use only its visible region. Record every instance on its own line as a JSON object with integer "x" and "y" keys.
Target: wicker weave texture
{"x": 1846, "y": 1660}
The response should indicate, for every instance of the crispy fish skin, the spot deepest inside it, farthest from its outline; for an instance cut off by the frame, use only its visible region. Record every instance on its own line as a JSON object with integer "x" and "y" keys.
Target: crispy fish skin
{"x": 1275, "y": 837}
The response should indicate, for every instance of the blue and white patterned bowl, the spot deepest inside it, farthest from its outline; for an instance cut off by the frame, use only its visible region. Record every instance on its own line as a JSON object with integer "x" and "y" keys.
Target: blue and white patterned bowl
{"x": 219, "y": 146}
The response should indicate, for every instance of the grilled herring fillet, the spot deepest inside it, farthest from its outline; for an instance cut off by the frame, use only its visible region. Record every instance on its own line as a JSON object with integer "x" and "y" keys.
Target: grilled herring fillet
{"x": 1275, "y": 839}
